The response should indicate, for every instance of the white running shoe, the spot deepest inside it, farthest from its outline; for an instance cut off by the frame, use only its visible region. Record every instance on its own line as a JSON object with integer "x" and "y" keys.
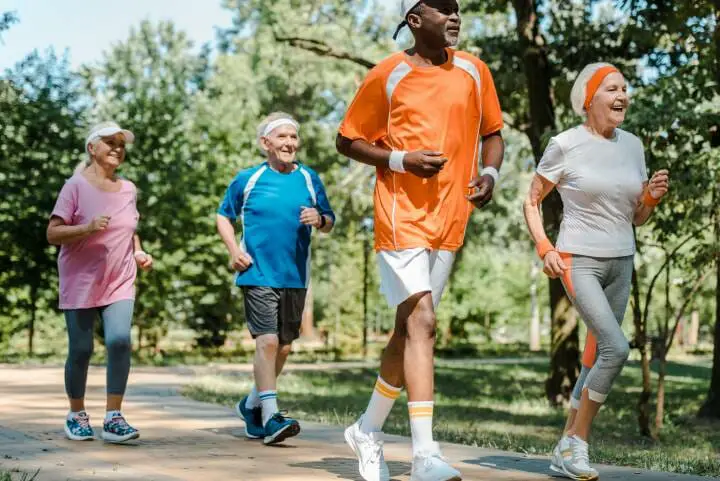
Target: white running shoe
{"x": 369, "y": 450}
{"x": 562, "y": 452}
{"x": 577, "y": 465}
{"x": 430, "y": 465}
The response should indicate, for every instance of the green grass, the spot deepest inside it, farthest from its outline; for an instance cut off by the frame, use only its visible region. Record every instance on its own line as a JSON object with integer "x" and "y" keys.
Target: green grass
{"x": 503, "y": 407}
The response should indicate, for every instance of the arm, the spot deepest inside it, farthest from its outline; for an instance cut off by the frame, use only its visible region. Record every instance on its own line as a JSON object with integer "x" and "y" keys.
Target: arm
{"x": 539, "y": 189}
{"x": 142, "y": 258}
{"x": 653, "y": 192}
{"x": 239, "y": 259}
{"x": 59, "y": 233}
{"x": 423, "y": 163}
{"x": 493, "y": 152}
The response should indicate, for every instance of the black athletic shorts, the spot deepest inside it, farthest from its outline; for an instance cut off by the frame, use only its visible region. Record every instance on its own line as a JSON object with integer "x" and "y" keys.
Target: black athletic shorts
{"x": 270, "y": 310}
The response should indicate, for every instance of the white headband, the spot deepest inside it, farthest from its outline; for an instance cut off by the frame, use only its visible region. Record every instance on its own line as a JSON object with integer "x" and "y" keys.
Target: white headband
{"x": 278, "y": 123}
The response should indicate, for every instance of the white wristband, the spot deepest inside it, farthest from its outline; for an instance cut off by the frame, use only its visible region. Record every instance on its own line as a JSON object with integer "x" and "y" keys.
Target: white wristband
{"x": 396, "y": 161}
{"x": 137, "y": 253}
{"x": 492, "y": 172}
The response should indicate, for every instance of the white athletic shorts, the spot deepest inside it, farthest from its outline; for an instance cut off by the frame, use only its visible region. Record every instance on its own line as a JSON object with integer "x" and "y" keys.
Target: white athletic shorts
{"x": 407, "y": 272}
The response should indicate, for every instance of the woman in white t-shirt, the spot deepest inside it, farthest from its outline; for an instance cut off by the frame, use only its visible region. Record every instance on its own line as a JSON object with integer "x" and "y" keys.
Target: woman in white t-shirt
{"x": 600, "y": 173}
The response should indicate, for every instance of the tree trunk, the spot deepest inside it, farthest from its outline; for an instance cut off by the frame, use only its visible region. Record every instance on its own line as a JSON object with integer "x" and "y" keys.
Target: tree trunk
{"x": 692, "y": 337}
{"x": 660, "y": 412}
{"x": 640, "y": 343}
{"x": 565, "y": 357}
{"x": 33, "y": 314}
{"x": 711, "y": 407}
{"x": 535, "y": 309}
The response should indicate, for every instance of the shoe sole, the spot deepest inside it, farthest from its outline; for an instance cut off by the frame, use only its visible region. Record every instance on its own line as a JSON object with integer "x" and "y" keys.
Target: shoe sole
{"x": 73, "y": 437}
{"x": 454, "y": 478}
{"x": 282, "y": 434}
{"x": 350, "y": 442}
{"x": 115, "y": 439}
{"x": 564, "y": 472}
{"x": 240, "y": 414}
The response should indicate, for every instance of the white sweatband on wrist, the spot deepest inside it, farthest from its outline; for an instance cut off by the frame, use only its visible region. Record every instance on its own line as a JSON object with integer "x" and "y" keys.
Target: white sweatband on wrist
{"x": 137, "y": 253}
{"x": 492, "y": 172}
{"x": 396, "y": 161}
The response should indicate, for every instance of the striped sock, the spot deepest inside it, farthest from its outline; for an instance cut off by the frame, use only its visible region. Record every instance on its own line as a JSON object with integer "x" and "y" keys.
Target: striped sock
{"x": 253, "y": 399}
{"x": 421, "y": 416}
{"x": 381, "y": 402}
{"x": 268, "y": 400}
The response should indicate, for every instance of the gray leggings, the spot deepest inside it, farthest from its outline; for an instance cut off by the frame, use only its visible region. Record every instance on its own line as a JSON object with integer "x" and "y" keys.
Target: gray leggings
{"x": 117, "y": 319}
{"x": 599, "y": 289}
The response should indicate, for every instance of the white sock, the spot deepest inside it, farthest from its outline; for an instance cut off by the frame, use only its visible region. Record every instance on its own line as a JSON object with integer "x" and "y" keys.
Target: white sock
{"x": 111, "y": 414}
{"x": 421, "y": 416}
{"x": 268, "y": 400}
{"x": 253, "y": 399}
{"x": 72, "y": 414}
{"x": 381, "y": 402}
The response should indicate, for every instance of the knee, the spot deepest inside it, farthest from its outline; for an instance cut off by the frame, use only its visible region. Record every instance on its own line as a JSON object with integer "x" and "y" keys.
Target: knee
{"x": 285, "y": 349}
{"x": 618, "y": 353}
{"x": 80, "y": 352}
{"x": 118, "y": 345}
{"x": 268, "y": 344}
{"x": 421, "y": 325}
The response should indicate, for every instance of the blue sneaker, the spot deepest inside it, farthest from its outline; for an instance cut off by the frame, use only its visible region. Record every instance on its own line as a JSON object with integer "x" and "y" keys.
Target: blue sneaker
{"x": 279, "y": 428}
{"x": 253, "y": 419}
{"x": 117, "y": 430}
{"x": 78, "y": 427}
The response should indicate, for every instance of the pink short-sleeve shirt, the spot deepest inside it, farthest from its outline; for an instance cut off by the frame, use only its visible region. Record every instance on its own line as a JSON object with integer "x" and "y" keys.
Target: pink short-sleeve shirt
{"x": 100, "y": 269}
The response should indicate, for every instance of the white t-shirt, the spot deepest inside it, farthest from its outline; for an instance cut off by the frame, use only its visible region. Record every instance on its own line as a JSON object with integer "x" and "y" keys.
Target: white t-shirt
{"x": 600, "y": 181}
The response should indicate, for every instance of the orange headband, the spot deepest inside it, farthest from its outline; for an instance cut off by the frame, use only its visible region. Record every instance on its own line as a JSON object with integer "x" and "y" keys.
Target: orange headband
{"x": 595, "y": 81}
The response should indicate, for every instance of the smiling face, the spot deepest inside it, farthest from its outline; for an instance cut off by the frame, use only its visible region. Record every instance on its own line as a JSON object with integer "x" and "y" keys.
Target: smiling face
{"x": 611, "y": 101}
{"x": 108, "y": 152}
{"x": 437, "y": 24}
{"x": 282, "y": 144}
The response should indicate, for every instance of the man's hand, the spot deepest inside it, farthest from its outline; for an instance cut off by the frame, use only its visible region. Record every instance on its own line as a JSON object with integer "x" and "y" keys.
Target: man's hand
{"x": 424, "y": 163}
{"x": 481, "y": 190}
{"x": 241, "y": 262}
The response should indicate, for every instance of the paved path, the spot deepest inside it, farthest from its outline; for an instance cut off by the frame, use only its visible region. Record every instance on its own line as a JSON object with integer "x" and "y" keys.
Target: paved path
{"x": 188, "y": 440}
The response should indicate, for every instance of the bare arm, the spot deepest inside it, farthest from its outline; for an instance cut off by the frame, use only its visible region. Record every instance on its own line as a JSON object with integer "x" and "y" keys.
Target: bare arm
{"x": 540, "y": 187}
{"x": 493, "y": 151}
{"x": 653, "y": 191}
{"x": 239, "y": 259}
{"x": 59, "y": 233}
{"x": 227, "y": 233}
{"x": 422, "y": 163}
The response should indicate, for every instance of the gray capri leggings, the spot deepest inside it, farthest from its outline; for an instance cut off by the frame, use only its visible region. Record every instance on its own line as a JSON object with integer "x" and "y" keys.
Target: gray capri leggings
{"x": 117, "y": 320}
{"x": 599, "y": 289}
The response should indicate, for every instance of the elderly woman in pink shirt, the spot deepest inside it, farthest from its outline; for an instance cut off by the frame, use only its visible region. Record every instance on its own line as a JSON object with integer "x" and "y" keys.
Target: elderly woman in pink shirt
{"x": 94, "y": 222}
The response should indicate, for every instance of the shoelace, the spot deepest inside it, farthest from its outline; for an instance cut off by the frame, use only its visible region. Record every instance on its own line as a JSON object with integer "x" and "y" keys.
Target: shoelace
{"x": 375, "y": 447}
{"x": 580, "y": 453}
{"x": 83, "y": 420}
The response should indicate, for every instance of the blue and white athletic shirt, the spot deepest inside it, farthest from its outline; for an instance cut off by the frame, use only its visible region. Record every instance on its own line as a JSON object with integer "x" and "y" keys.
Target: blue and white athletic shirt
{"x": 268, "y": 205}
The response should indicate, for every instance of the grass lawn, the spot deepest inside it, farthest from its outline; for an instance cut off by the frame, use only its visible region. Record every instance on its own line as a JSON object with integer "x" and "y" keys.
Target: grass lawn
{"x": 503, "y": 407}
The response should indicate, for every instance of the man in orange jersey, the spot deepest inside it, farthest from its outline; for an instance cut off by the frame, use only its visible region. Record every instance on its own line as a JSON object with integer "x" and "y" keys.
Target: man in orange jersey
{"x": 420, "y": 117}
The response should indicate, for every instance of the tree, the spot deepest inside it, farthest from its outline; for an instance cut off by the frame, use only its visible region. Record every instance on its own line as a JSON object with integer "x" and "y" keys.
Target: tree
{"x": 40, "y": 145}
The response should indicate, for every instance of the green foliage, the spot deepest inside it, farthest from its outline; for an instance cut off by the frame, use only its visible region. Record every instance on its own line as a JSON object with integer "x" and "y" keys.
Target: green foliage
{"x": 39, "y": 145}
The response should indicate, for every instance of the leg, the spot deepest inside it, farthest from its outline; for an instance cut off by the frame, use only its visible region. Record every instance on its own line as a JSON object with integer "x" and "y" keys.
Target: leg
{"x": 588, "y": 361}
{"x": 117, "y": 322}
{"x": 80, "y": 346}
{"x": 600, "y": 313}
{"x": 419, "y": 334}
{"x": 80, "y": 324}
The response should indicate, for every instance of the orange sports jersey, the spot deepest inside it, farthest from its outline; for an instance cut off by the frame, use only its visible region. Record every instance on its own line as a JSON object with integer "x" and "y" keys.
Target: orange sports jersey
{"x": 445, "y": 108}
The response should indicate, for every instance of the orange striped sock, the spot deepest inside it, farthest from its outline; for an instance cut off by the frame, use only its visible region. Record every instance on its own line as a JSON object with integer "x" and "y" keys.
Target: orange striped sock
{"x": 381, "y": 402}
{"x": 421, "y": 418}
